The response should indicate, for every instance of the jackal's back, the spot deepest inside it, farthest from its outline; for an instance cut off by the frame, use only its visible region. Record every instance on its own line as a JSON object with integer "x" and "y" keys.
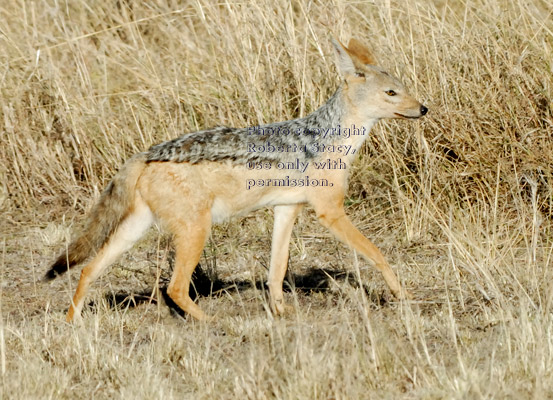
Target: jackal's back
{"x": 241, "y": 145}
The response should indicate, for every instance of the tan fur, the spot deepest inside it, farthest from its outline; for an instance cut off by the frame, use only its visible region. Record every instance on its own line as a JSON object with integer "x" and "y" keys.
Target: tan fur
{"x": 187, "y": 197}
{"x": 360, "y": 52}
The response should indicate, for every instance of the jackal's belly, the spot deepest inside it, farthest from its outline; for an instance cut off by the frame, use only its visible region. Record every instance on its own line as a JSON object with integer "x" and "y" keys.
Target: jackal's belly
{"x": 226, "y": 206}
{"x": 244, "y": 190}
{"x": 222, "y": 189}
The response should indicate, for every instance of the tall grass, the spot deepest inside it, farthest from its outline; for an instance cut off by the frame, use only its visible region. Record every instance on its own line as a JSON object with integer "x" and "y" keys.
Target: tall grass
{"x": 461, "y": 201}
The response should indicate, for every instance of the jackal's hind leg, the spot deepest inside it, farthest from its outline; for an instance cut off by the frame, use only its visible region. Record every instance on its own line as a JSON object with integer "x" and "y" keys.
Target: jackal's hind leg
{"x": 285, "y": 216}
{"x": 189, "y": 240}
{"x": 128, "y": 232}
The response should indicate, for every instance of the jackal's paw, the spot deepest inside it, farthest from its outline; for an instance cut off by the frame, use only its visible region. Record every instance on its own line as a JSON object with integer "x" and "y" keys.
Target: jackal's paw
{"x": 279, "y": 307}
{"x": 73, "y": 317}
{"x": 200, "y": 316}
{"x": 403, "y": 294}
{"x": 208, "y": 318}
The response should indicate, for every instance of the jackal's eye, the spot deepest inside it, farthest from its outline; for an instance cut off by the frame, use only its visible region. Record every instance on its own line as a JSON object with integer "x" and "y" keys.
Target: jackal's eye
{"x": 360, "y": 74}
{"x": 390, "y": 92}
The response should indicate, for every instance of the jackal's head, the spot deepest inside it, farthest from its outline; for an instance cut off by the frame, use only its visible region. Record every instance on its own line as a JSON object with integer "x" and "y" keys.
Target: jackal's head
{"x": 371, "y": 92}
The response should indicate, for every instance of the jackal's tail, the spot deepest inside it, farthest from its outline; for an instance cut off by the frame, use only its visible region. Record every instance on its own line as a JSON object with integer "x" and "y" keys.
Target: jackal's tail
{"x": 114, "y": 205}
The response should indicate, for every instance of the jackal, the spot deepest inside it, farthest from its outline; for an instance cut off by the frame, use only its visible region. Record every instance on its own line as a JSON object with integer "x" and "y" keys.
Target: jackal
{"x": 205, "y": 177}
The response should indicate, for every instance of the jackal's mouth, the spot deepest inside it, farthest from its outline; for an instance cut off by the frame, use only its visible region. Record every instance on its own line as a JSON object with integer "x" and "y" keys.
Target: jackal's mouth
{"x": 407, "y": 116}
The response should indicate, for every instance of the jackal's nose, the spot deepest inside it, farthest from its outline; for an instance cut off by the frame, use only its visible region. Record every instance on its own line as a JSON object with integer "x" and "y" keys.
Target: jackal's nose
{"x": 424, "y": 110}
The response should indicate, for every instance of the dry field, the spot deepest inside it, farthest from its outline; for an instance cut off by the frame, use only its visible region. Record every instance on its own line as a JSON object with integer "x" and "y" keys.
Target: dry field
{"x": 460, "y": 202}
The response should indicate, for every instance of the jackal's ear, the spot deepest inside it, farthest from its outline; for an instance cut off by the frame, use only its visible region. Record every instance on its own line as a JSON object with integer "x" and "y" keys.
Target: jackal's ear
{"x": 358, "y": 50}
{"x": 344, "y": 62}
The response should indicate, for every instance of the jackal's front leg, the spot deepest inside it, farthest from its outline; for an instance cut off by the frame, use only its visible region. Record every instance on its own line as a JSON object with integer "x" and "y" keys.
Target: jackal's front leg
{"x": 280, "y": 249}
{"x": 339, "y": 224}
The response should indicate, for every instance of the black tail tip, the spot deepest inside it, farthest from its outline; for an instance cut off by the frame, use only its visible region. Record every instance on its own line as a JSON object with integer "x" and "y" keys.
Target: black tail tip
{"x": 50, "y": 275}
{"x": 58, "y": 268}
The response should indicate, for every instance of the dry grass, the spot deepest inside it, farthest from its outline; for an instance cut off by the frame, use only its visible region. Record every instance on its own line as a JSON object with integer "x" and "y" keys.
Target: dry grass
{"x": 461, "y": 201}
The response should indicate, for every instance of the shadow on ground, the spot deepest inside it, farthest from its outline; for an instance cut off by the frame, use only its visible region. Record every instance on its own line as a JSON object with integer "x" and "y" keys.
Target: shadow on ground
{"x": 204, "y": 285}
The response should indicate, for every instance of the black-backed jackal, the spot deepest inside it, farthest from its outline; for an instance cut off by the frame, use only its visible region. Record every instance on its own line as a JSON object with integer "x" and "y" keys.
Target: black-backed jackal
{"x": 204, "y": 177}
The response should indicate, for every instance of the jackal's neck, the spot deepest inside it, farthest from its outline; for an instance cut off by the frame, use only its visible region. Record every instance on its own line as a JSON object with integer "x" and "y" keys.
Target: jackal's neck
{"x": 330, "y": 115}
{"x": 336, "y": 115}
